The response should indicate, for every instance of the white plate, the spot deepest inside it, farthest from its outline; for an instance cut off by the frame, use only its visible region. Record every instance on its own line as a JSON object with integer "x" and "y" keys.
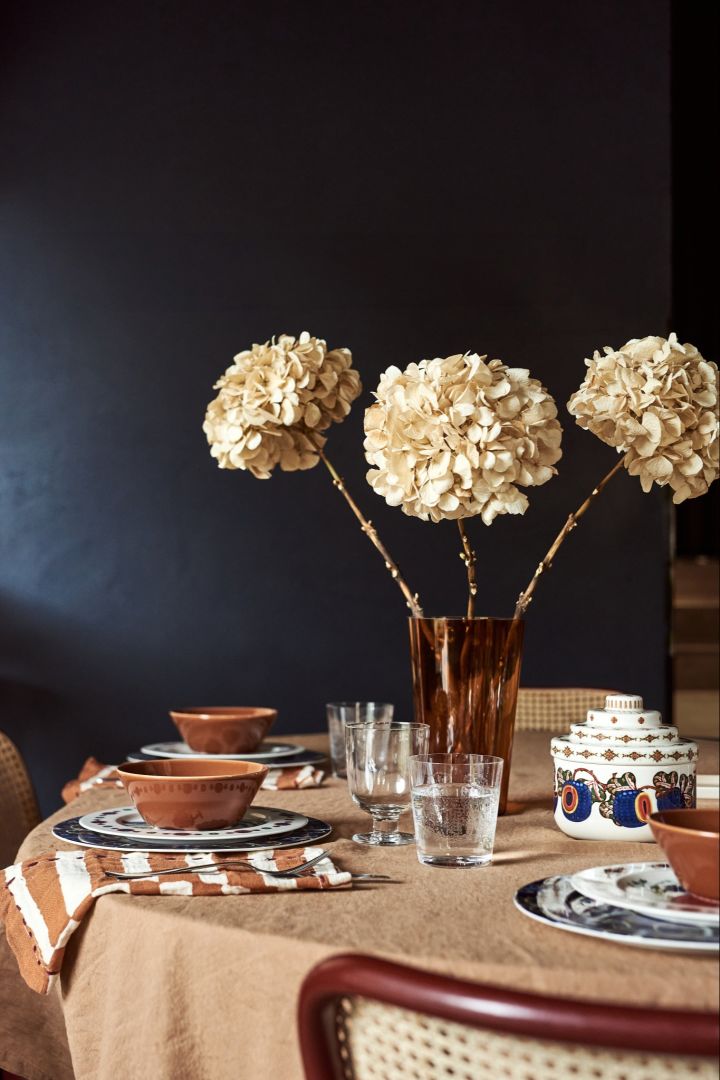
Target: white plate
{"x": 555, "y": 902}
{"x": 647, "y": 888}
{"x": 71, "y": 831}
{"x": 269, "y": 751}
{"x": 125, "y": 822}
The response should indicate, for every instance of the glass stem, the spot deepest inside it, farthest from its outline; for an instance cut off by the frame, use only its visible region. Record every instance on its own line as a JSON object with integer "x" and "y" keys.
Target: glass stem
{"x": 382, "y": 826}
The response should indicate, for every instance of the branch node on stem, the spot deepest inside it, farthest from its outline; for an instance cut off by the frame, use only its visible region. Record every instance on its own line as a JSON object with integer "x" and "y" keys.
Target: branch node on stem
{"x": 468, "y": 557}
{"x": 411, "y": 599}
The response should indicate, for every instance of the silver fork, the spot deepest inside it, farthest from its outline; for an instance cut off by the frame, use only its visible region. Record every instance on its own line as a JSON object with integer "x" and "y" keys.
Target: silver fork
{"x": 215, "y": 866}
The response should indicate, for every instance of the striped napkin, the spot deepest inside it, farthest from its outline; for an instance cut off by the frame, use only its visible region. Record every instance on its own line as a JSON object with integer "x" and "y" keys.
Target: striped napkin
{"x": 43, "y": 900}
{"x": 95, "y": 774}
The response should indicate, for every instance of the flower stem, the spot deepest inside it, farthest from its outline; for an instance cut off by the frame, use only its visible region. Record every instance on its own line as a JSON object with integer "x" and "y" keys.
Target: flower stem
{"x": 412, "y": 599}
{"x": 526, "y": 596}
{"x": 468, "y": 557}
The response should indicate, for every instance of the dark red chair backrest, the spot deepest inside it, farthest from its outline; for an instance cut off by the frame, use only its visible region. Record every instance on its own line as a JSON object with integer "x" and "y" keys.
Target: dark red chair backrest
{"x": 657, "y": 1031}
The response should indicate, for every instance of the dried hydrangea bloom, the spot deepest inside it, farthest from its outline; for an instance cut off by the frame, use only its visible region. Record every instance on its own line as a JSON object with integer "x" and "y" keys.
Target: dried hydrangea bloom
{"x": 655, "y": 400}
{"x": 274, "y": 402}
{"x": 457, "y": 437}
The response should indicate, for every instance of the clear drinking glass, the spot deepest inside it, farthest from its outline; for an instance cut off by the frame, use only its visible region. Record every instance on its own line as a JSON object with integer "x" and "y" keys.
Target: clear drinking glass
{"x": 378, "y": 772}
{"x": 340, "y": 713}
{"x": 455, "y": 801}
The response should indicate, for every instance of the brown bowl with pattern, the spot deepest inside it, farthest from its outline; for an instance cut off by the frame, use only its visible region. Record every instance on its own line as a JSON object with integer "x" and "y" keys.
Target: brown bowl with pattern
{"x": 224, "y": 729}
{"x": 690, "y": 839}
{"x": 192, "y": 793}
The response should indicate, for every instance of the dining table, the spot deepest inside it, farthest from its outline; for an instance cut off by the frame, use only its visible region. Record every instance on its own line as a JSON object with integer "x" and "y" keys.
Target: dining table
{"x": 203, "y": 987}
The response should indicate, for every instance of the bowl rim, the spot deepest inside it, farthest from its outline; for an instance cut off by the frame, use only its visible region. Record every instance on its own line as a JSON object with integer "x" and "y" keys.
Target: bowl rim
{"x": 655, "y": 819}
{"x": 129, "y": 769}
{"x": 224, "y": 712}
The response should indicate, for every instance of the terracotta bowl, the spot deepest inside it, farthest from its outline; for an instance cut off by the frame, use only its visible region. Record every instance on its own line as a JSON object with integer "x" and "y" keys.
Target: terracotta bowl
{"x": 193, "y": 793}
{"x": 691, "y": 841}
{"x": 224, "y": 729}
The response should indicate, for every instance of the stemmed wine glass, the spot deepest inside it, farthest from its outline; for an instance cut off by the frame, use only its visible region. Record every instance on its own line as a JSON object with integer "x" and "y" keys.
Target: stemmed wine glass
{"x": 378, "y": 772}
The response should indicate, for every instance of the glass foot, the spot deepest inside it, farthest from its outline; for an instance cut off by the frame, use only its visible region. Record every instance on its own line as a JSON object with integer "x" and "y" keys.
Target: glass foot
{"x": 457, "y": 861}
{"x": 384, "y": 839}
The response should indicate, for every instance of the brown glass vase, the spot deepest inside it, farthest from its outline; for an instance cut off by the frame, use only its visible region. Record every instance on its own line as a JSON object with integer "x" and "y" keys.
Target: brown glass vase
{"x": 465, "y": 675}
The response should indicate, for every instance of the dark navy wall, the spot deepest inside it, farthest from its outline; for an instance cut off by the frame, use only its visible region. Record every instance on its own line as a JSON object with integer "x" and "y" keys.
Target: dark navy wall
{"x": 179, "y": 180}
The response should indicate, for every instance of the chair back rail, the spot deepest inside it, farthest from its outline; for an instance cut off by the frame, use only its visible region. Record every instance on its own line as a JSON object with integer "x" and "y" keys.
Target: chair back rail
{"x": 554, "y": 709}
{"x": 655, "y": 1032}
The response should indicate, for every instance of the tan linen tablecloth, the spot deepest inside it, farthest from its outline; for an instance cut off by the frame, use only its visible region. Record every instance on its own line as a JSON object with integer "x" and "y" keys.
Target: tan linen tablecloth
{"x": 194, "y": 988}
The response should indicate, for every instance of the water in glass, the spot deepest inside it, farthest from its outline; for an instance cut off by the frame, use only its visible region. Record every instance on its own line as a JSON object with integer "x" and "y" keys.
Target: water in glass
{"x": 455, "y": 823}
{"x": 455, "y": 799}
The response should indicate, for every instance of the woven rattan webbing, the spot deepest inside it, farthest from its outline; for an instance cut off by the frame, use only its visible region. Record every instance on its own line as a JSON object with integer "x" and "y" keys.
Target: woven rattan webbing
{"x": 555, "y": 709}
{"x": 379, "y": 1042}
{"x": 18, "y": 806}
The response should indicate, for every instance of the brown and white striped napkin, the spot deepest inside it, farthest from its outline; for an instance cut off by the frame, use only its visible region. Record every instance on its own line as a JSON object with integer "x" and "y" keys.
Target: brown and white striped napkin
{"x": 43, "y": 900}
{"x": 95, "y": 774}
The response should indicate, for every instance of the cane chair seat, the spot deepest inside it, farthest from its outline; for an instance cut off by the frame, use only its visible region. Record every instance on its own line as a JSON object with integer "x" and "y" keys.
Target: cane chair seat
{"x": 555, "y": 709}
{"x": 18, "y": 806}
{"x": 362, "y": 1018}
{"x": 379, "y": 1042}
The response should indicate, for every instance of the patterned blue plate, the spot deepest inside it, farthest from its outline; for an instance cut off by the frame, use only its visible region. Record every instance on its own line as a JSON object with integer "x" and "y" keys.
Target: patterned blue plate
{"x": 73, "y": 832}
{"x": 555, "y": 902}
{"x": 288, "y": 761}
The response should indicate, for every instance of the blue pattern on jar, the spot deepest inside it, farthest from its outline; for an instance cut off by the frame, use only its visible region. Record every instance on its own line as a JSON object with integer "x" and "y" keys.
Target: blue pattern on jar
{"x": 631, "y": 809}
{"x": 576, "y": 800}
{"x": 671, "y": 800}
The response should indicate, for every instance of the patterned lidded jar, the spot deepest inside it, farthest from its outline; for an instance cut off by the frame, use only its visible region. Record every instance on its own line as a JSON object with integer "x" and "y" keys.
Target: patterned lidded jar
{"x": 617, "y": 769}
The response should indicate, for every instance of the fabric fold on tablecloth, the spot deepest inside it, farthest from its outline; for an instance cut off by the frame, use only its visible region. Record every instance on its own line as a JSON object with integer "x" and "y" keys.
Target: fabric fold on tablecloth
{"x": 43, "y": 900}
{"x": 95, "y": 774}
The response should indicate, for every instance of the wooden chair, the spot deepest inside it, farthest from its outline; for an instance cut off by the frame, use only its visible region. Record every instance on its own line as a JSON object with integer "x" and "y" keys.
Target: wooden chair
{"x": 555, "y": 709}
{"x": 361, "y": 1018}
{"x": 18, "y": 806}
{"x": 19, "y": 813}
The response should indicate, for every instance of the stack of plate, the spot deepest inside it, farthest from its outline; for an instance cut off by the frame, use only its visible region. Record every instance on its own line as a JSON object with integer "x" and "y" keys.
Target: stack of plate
{"x": 639, "y": 904}
{"x": 122, "y": 829}
{"x": 276, "y": 755}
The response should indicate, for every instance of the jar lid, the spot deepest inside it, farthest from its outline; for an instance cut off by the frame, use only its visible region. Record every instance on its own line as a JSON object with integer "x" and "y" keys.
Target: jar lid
{"x": 624, "y": 711}
{"x": 624, "y": 733}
